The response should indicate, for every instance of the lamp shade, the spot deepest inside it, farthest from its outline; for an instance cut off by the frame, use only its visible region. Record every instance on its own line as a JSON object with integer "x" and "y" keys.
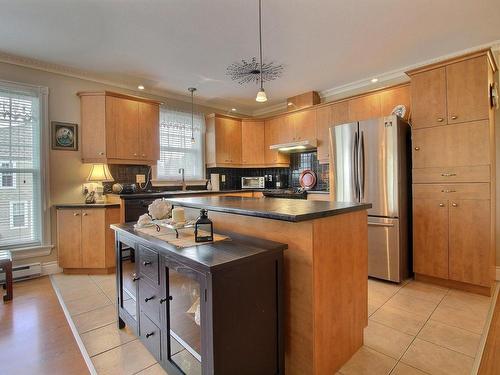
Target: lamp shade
{"x": 261, "y": 96}
{"x": 100, "y": 173}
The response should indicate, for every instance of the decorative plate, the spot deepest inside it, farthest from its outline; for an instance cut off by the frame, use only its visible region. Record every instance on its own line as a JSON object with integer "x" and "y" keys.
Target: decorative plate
{"x": 399, "y": 110}
{"x": 307, "y": 179}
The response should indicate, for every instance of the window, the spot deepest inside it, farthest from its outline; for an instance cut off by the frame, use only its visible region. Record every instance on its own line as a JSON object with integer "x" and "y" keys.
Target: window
{"x": 22, "y": 202}
{"x": 7, "y": 180}
{"x": 18, "y": 215}
{"x": 176, "y": 148}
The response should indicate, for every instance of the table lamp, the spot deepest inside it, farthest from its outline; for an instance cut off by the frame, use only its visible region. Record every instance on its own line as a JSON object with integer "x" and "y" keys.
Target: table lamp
{"x": 99, "y": 173}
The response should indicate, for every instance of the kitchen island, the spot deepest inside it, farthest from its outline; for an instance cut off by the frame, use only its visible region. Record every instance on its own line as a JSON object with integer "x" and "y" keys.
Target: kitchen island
{"x": 325, "y": 271}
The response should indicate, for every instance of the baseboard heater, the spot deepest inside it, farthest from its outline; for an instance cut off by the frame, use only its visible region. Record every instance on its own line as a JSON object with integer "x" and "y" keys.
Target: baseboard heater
{"x": 24, "y": 272}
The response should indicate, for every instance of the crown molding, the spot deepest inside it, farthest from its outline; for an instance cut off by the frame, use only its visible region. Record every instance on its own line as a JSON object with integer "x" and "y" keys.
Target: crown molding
{"x": 278, "y": 107}
{"x": 31, "y": 63}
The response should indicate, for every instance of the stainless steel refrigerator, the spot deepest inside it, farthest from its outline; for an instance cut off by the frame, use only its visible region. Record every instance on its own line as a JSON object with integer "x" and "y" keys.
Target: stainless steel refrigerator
{"x": 370, "y": 162}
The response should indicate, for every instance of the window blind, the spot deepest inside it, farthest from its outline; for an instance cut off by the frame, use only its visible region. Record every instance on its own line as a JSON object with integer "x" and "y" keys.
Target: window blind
{"x": 176, "y": 149}
{"x": 20, "y": 190}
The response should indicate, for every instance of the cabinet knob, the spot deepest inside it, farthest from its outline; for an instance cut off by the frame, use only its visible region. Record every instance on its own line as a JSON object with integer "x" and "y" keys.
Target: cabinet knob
{"x": 101, "y": 153}
{"x": 143, "y": 155}
{"x": 454, "y": 204}
{"x": 148, "y": 335}
{"x": 454, "y": 117}
{"x": 448, "y": 191}
{"x": 146, "y": 263}
{"x": 440, "y": 119}
{"x": 135, "y": 153}
{"x": 85, "y": 214}
{"x": 441, "y": 204}
{"x": 135, "y": 277}
{"x": 149, "y": 298}
{"x": 417, "y": 148}
{"x": 76, "y": 214}
{"x": 163, "y": 300}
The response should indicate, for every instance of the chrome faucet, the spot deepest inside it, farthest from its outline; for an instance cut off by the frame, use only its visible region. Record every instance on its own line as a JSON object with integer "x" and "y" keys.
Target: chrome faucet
{"x": 181, "y": 171}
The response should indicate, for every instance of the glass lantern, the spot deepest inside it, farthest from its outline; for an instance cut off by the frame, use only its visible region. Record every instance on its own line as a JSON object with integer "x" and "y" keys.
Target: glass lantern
{"x": 203, "y": 228}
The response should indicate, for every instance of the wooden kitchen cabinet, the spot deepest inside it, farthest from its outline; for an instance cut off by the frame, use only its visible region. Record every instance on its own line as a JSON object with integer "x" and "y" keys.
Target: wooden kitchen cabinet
{"x": 364, "y": 107}
{"x": 452, "y": 145}
{"x": 300, "y": 126}
{"x": 452, "y": 92}
{"x": 223, "y": 141}
{"x": 390, "y": 98}
{"x": 119, "y": 129}
{"x": 335, "y": 114}
{"x": 84, "y": 240}
{"x": 253, "y": 141}
{"x": 273, "y": 129}
{"x": 430, "y": 240}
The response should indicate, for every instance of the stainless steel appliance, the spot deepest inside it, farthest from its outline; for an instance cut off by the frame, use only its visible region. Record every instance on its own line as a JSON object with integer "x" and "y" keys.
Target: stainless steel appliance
{"x": 286, "y": 193}
{"x": 371, "y": 163}
{"x": 252, "y": 182}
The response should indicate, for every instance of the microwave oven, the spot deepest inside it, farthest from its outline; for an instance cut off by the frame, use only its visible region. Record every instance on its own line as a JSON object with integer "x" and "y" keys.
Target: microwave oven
{"x": 252, "y": 182}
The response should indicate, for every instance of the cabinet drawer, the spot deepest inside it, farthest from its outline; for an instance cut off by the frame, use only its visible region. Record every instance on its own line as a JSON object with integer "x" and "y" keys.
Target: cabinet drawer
{"x": 465, "y": 144}
{"x": 150, "y": 336}
{"x": 149, "y": 300}
{"x": 452, "y": 174}
{"x": 452, "y": 191}
{"x": 149, "y": 264}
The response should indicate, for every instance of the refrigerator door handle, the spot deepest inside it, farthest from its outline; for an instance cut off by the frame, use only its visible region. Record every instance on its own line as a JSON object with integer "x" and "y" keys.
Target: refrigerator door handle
{"x": 356, "y": 165}
{"x": 361, "y": 166}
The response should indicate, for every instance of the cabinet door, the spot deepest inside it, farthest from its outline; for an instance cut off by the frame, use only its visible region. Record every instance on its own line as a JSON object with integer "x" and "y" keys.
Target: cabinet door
{"x": 93, "y": 238}
{"x": 467, "y": 90}
{"x": 452, "y": 145}
{"x": 428, "y": 98}
{"x": 273, "y": 128}
{"x": 470, "y": 242}
{"x": 125, "y": 121}
{"x": 149, "y": 120}
{"x": 93, "y": 130}
{"x": 69, "y": 238}
{"x": 252, "y": 146}
{"x": 393, "y": 97}
{"x": 228, "y": 141}
{"x": 286, "y": 132}
{"x": 323, "y": 122}
{"x": 304, "y": 125}
{"x": 430, "y": 237}
{"x": 364, "y": 107}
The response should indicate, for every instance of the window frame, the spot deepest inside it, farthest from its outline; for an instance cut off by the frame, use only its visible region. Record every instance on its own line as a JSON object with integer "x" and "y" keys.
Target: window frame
{"x": 26, "y": 214}
{"x": 14, "y": 179}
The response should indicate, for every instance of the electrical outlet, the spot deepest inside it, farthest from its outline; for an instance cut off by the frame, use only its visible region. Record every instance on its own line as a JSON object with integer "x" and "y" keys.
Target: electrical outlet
{"x": 140, "y": 178}
{"x": 223, "y": 178}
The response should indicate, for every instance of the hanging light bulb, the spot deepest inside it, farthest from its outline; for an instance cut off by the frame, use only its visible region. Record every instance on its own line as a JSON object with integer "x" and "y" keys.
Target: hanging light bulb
{"x": 192, "y": 90}
{"x": 261, "y": 95}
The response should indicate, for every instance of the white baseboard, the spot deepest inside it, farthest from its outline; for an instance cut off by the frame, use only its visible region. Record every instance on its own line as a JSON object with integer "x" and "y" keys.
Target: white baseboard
{"x": 50, "y": 268}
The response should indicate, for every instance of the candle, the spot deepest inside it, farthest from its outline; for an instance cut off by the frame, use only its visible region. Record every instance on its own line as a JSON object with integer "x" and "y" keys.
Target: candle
{"x": 178, "y": 215}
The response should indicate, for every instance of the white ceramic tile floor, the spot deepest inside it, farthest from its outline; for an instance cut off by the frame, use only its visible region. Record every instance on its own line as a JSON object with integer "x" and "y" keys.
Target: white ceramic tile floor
{"x": 414, "y": 328}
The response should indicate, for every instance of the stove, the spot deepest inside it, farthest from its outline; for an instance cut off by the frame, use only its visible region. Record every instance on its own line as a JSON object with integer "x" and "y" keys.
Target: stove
{"x": 286, "y": 193}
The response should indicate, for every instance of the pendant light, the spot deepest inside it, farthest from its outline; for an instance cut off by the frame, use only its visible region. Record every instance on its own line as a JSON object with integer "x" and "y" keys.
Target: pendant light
{"x": 192, "y": 90}
{"x": 261, "y": 95}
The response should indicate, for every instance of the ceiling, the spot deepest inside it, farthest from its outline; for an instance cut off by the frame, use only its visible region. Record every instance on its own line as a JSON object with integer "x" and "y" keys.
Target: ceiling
{"x": 170, "y": 45}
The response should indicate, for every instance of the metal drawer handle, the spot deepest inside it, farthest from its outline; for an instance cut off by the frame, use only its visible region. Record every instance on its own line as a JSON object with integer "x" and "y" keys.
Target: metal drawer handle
{"x": 85, "y": 214}
{"x": 381, "y": 225}
{"x": 448, "y": 174}
{"x": 149, "y": 298}
{"x": 454, "y": 204}
{"x": 448, "y": 191}
{"x": 163, "y": 300}
{"x": 454, "y": 117}
{"x": 441, "y": 204}
{"x": 148, "y": 335}
{"x": 135, "y": 277}
{"x": 440, "y": 119}
{"x": 76, "y": 214}
{"x": 146, "y": 263}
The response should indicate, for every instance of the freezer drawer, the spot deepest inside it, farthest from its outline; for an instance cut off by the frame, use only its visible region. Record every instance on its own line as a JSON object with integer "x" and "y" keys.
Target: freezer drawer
{"x": 384, "y": 250}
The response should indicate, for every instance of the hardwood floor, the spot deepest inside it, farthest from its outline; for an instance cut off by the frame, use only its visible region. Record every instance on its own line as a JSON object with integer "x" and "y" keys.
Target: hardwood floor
{"x": 35, "y": 337}
{"x": 490, "y": 363}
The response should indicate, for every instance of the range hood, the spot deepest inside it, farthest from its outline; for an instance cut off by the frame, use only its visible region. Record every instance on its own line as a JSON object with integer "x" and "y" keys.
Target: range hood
{"x": 297, "y": 146}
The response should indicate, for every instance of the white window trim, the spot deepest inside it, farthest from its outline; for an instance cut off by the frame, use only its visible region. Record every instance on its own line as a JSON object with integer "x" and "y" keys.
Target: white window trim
{"x": 14, "y": 179}
{"x": 46, "y": 236}
{"x": 11, "y": 214}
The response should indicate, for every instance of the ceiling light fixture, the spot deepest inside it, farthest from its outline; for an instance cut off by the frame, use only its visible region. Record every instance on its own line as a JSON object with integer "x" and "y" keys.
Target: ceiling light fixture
{"x": 192, "y": 90}
{"x": 233, "y": 109}
{"x": 140, "y": 87}
{"x": 261, "y": 95}
{"x": 374, "y": 80}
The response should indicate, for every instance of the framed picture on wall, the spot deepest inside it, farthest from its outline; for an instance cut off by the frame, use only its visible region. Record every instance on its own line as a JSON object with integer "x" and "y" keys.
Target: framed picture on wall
{"x": 64, "y": 136}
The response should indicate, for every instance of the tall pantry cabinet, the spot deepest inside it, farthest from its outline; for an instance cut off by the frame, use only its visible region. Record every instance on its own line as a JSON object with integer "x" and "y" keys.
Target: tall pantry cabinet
{"x": 453, "y": 141}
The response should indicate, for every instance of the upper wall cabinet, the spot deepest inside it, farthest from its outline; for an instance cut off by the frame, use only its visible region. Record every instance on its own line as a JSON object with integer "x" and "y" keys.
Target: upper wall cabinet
{"x": 299, "y": 126}
{"x": 223, "y": 141}
{"x": 455, "y": 93}
{"x": 337, "y": 113}
{"x": 275, "y": 133}
{"x": 364, "y": 107}
{"x": 119, "y": 129}
{"x": 253, "y": 143}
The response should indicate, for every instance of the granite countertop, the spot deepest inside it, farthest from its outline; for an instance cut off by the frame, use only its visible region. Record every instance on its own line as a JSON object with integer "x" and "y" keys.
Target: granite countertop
{"x": 84, "y": 205}
{"x": 278, "y": 209}
{"x": 209, "y": 256}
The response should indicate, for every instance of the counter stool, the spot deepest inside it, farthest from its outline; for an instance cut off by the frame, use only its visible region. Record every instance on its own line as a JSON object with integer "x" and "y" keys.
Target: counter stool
{"x": 6, "y": 266}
